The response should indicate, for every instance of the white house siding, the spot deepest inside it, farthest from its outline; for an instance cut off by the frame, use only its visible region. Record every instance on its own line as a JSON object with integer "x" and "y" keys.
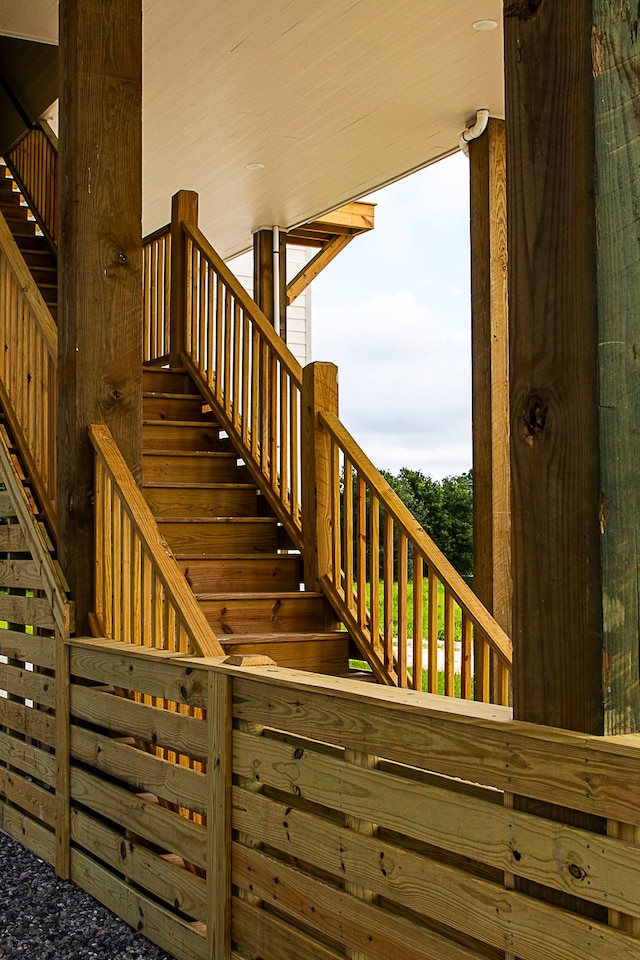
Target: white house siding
{"x": 299, "y": 313}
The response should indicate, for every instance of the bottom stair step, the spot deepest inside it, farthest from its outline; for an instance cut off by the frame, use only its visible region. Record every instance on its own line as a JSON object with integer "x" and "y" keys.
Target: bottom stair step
{"x": 325, "y": 652}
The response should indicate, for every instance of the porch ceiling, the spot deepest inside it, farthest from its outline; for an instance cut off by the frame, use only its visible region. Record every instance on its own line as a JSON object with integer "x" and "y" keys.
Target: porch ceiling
{"x": 335, "y": 99}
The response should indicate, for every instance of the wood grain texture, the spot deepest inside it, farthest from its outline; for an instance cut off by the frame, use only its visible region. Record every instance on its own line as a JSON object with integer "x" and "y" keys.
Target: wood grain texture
{"x": 616, "y": 72}
{"x": 100, "y": 261}
{"x": 557, "y": 612}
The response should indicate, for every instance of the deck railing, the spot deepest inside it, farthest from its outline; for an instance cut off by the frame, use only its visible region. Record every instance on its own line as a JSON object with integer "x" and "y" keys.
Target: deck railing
{"x": 156, "y": 259}
{"x": 28, "y": 360}
{"x": 361, "y": 545}
{"x": 34, "y": 165}
{"x": 142, "y": 597}
{"x": 251, "y": 377}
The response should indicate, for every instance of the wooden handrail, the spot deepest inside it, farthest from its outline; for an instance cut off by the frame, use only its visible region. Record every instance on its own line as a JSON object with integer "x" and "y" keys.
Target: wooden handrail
{"x": 33, "y": 163}
{"x": 28, "y": 368}
{"x": 247, "y": 373}
{"x": 142, "y": 597}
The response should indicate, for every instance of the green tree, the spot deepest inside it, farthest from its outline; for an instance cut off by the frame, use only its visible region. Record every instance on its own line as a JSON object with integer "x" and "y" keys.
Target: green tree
{"x": 444, "y": 508}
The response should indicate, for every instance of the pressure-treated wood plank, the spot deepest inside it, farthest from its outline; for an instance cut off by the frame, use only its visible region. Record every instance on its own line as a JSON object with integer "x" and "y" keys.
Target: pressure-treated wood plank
{"x": 157, "y": 726}
{"x": 63, "y": 758}
{"x": 37, "y": 724}
{"x": 139, "y": 669}
{"x": 183, "y": 940}
{"x": 261, "y": 934}
{"x": 28, "y": 759}
{"x": 26, "y": 646}
{"x": 616, "y": 92}
{"x": 219, "y": 766}
{"x": 29, "y": 610}
{"x": 28, "y": 685}
{"x": 141, "y": 816}
{"x": 338, "y": 915}
{"x": 457, "y": 738}
{"x": 556, "y": 491}
{"x": 550, "y": 853}
{"x": 28, "y": 796}
{"x": 100, "y": 262}
{"x": 28, "y": 832}
{"x": 12, "y": 539}
{"x": 21, "y": 573}
{"x": 178, "y": 887}
{"x": 177, "y": 784}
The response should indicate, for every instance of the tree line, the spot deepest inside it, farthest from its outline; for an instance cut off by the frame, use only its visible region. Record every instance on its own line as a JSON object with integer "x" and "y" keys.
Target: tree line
{"x": 444, "y": 508}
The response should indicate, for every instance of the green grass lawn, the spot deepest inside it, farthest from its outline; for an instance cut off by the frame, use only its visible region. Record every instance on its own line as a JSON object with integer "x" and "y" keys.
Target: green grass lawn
{"x": 363, "y": 665}
{"x": 457, "y": 616}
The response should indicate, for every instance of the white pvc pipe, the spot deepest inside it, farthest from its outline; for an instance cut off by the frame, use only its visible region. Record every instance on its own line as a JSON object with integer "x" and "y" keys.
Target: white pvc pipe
{"x": 472, "y": 133}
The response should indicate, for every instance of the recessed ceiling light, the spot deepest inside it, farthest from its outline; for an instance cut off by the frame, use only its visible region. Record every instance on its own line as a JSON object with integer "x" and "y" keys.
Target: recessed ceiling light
{"x": 255, "y": 166}
{"x": 482, "y": 25}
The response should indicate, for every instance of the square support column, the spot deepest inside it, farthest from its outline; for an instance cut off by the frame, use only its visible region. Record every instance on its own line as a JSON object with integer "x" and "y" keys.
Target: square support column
{"x": 100, "y": 262}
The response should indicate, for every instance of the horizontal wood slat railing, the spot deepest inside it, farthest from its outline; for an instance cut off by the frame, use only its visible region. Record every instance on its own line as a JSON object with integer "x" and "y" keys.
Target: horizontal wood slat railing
{"x": 33, "y": 163}
{"x": 248, "y": 374}
{"x": 257, "y": 848}
{"x": 156, "y": 260}
{"x": 142, "y": 597}
{"x": 28, "y": 360}
{"x": 378, "y": 549}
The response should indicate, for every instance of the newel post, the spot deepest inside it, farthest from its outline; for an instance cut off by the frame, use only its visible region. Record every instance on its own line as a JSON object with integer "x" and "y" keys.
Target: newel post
{"x": 319, "y": 395}
{"x": 184, "y": 209}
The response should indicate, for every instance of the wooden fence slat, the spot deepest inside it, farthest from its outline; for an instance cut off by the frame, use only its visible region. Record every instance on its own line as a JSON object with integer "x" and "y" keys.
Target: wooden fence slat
{"x": 178, "y": 887}
{"x": 38, "y": 803}
{"x": 140, "y": 815}
{"x": 25, "y": 646}
{"x": 28, "y": 685}
{"x": 28, "y": 832}
{"x": 181, "y": 939}
{"x": 260, "y": 933}
{"x": 28, "y": 722}
{"x": 28, "y": 759}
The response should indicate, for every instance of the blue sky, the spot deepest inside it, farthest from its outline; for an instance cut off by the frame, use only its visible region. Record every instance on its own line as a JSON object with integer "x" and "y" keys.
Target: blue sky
{"x": 393, "y": 311}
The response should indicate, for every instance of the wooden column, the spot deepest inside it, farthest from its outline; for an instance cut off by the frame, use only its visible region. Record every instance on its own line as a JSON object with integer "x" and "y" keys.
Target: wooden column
{"x": 100, "y": 262}
{"x": 490, "y": 374}
{"x": 184, "y": 209}
{"x": 573, "y": 197}
{"x": 319, "y": 393}
{"x": 263, "y": 276}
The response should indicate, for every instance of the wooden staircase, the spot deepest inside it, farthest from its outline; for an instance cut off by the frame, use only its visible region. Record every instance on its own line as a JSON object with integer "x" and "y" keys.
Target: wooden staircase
{"x": 232, "y": 549}
{"x": 30, "y": 240}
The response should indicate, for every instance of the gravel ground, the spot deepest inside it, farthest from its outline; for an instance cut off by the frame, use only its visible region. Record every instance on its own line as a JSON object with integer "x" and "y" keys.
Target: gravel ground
{"x": 44, "y": 918}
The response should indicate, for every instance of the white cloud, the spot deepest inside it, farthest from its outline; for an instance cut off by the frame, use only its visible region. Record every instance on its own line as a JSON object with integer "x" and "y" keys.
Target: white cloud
{"x": 393, "y": 312}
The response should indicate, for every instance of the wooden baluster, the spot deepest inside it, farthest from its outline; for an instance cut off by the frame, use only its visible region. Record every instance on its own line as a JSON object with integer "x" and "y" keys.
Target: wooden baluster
{"x": 347, "y": 550}
{"x": 402, "y": 609}
{"x": 418, "y": 618}
{"x": 449, "y": 625}
{"x": 319, "y": 394}
{"x": 432, "y": 633}
{"x": 388, "y": 591}
{"x": 184, "y": 209}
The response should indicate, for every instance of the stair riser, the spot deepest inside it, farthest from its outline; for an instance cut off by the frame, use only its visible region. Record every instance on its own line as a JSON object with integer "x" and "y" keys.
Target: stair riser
{"x": 221, "y": 469}
{"x": 159, "y": 380}
{"x": 223, "y": 537}
{"x": 268, "y": 615}
{"x": 328, "y": 656}
{"x": 173, "y": 408}
{"x": 162, "y": 436}
{"x": 176, "y": 502}
{"x": 256, "y": 574}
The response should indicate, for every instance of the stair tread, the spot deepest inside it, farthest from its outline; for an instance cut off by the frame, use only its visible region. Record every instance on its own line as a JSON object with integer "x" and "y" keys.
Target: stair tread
{"x": 261, "y": 595}
{"x": 180, "y": 423}
{"x": 186, "y": 485}
{"x": 163, "y": 395}
{"x": 285, "y": 637}
{"x": 223, "y": 519}
{"x": 190, "y": 453}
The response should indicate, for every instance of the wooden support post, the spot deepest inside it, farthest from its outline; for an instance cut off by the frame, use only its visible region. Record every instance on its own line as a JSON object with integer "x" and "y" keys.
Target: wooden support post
{"x": 63, "y": 758}
{"x": 219, "y": 766}
{"x": 319, "y": 393}
{"x": 184, "y": 209}
{"x": 490, "y": 373}
{"x": 553, "y": 334}
{"x": 263, "y": 276}
{"x": 100, "y": 262}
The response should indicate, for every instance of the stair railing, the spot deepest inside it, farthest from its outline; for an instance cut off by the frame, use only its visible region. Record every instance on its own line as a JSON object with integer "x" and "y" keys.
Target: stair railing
{"x": 142, "y": 596}
{"x": 28, "y": 365}
{"x": 361, "y": 545}
{"x": 251, "y": 378}
{"x": 156, "y": 259}
{"x": 33, "y": 163}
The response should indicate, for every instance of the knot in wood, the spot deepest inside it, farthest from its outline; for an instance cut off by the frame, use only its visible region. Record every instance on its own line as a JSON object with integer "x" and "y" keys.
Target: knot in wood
{"x": 534, "y": 417}
{"x": 577, "y": 872}
{"x": 522, "y": 9}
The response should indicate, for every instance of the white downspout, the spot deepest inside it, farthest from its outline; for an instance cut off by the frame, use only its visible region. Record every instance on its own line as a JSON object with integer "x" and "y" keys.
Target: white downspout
{"x": 472, "y": 133}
